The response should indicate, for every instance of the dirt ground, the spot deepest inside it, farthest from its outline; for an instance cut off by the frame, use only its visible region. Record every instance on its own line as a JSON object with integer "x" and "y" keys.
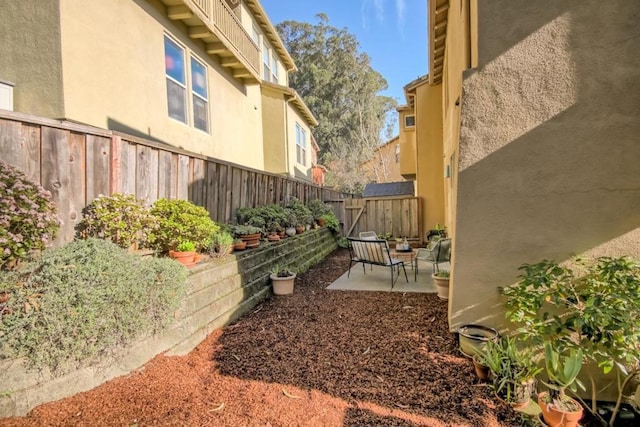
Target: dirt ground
{"x": 316, "y": 358}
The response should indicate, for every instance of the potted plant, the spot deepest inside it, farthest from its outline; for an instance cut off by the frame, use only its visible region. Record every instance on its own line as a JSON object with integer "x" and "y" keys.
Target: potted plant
{"x": 473, "y": 338}
{"x": 223, "y": 244}
{"x": 587, "y": 305}
{"x": 239, "y": 245}
{"x": 249, "y": 234}
{"x": 318, "y": 210}
{"x": 291, "y": 222}
{"x": 558, "y": 409}
{"x": 512, "y": 370}
{"x": 282, "y": 281}
{"x": 441, "y": 279}
{"x": 184, "y": 253}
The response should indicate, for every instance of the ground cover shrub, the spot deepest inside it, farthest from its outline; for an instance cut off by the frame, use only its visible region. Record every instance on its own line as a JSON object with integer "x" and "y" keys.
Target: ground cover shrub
{"x": 301, "y": 211}
{"x": 86, "y": 300}
{"x": 28, "y": 219}
{"x": 179, "y": 221}
{"x": 120, "y": 218}
{"x": 331, "y": 222}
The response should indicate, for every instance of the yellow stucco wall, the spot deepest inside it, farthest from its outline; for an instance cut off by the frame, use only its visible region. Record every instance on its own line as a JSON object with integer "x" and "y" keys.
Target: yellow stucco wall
{"x": 114, "y": 77}
{"x": 275, "y": 132}
{"x": 430, "y": 176}
{"x": 30, "y": 55}
{"x": 385, "y": 157}
{"x": 407, "y": 138}
{"x": 548, "y": 163}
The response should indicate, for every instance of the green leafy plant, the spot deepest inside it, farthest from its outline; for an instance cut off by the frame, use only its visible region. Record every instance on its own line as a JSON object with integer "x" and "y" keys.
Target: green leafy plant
{"x": 88, "y": 299}
{"x": 186, "y": 247}
{"x": 28, "y": 220}
{"x": 318, "y": 208}
{"x": 120, "y": 218}
{"x": 302, "y": 212}
{"x": 180, "y": 220}
{"x": 243, "y": 230}
{"x": 587, "y": 307}
{"x": 513, "y": 369}
{"x": 343, "y": 242}
{"x": 223, "y": 243}
{"x": 562, "y": 371}
{"x": 331, "y": 222}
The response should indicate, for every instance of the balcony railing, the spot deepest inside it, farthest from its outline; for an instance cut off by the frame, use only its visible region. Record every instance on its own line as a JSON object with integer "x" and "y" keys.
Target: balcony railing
{"x": 221, "y": 25}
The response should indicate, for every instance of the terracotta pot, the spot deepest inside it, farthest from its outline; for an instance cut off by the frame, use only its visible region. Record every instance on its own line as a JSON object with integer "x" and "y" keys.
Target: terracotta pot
{"x": 282, "y": 285}
{"x": 252, "y": 240}
{"x": 273, "y": 238}
{"x": 555, "y": 417}
{"x": 240, "y": 246}
{"x": 281, "y": 234}
{"x": 321, "y": 222}
{"x": 443, "y": 286}
{"x": 185, "y": 258}
{"x": 197, "y": 258}
{"x": 300, "y": 229}
{"x": 4, "y": 297}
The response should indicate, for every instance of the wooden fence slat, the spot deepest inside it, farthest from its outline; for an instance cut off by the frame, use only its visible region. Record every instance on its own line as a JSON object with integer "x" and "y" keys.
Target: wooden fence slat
{"x": 98, "y": 165}
{"x": 197, "y": 182}
{"x": 182, "y": 184}
{"x": 147, "y": 174}
{"x": 165, "y": 187}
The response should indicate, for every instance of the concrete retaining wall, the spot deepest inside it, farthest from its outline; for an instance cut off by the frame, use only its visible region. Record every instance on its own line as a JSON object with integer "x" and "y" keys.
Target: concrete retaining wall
{"x": 217, "y": 293}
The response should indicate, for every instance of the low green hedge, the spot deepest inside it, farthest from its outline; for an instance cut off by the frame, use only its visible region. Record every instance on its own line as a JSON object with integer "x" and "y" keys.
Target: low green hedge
{"x": 84, "y": 301}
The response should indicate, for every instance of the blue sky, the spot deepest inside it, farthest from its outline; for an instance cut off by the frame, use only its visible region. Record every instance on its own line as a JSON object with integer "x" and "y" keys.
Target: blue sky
{"x": 392, "y": 32}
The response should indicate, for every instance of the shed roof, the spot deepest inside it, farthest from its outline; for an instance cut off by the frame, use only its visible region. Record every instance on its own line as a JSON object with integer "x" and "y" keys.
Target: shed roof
{"x": 389, "y": 189}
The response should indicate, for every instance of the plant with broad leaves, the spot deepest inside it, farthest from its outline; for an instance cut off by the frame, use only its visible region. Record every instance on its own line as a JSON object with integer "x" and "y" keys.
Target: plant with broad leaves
{"x": 180, "y": 220}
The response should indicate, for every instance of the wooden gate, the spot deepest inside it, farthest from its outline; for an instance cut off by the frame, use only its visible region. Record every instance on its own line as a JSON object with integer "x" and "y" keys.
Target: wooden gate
{"x": 398, "y": 216}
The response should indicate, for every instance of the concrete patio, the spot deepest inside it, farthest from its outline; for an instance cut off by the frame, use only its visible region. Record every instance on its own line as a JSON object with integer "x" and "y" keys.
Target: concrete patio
{"x": 379, "y": 279}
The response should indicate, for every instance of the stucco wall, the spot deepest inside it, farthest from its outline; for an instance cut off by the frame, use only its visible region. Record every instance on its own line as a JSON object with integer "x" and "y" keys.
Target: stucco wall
{"x": 30, "y": 55}
{"x": 548, "y": 144}
{"x": 114, "y": 77}
{"x": 275, "y": 132}
{"x": 296, "y": 169}
{"x": 430, "y": 178}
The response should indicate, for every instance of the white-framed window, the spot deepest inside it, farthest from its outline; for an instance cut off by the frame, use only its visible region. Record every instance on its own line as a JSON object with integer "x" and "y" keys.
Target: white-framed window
{"x": 409, "y": 121}
{"x": 398, "y": 153}
{"x": 176, "y": 75}
{"x": 301, "y": 145}
{"x": 274, "y": 66}
{"x": 266, "y": 60}
{"x": 200, "y": 94}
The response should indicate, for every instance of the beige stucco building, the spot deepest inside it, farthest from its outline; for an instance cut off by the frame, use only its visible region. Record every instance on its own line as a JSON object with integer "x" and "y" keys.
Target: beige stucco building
{"x": 385, "y": 164}
{"x": 195, "y": 74}
{"x": 526, "y": 138}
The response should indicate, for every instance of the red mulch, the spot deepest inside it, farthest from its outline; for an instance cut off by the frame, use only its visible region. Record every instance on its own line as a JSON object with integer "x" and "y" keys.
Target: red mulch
{"x": 316, "y": 358}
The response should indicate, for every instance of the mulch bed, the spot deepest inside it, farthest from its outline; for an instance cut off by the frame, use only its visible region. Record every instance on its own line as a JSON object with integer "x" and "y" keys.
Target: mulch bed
{"x": 316, "y": 358}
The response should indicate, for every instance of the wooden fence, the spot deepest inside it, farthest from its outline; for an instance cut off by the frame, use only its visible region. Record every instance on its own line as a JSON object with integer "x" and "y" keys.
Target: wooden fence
{"x": 399, "y": 216}
{"x": 77, "y": 163}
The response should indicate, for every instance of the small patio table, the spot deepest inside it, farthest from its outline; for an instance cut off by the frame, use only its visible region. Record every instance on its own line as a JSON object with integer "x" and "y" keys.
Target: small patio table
{"x": 409, "y": 257}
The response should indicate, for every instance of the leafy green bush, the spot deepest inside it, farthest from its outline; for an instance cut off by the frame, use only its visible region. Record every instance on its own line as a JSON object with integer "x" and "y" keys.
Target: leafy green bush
{"x": 331, "y": 222}
{"x": 319, "y": 208}
{"x": 28, "y": 220}
{"x": 85, "y": 300}
{"x": 120, "y": 218}
{"x": 301, "y": 211}
{"x": 343, "y": 242}
{"x": 178, "y": 221}
{"x": 223, "y": 243}
{"x": 268, "y": 218}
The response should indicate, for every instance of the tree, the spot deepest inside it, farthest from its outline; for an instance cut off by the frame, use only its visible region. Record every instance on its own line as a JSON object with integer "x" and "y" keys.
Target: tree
{"x": 339, "y": 86}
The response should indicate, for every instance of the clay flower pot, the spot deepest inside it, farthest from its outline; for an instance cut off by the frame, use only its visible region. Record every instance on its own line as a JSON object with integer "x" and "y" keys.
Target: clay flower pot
{"x": 282, "y": 285}
{"x": 555, "y": 417}
{"x": 185, "y": 258}
{"x": 252, "y": 240}
{"x": 273, "y": 238}
{"x": 300, "y": 229}
{"x": 443, "y": 286}
{"x": 240, "y": 246}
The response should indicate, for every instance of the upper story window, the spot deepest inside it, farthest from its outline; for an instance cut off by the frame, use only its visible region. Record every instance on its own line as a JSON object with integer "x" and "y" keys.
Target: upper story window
{"x": 176, "y": 80}
{"x": 274, "y": 65}
{"x": 301, "y": 145}
{"x": 409, "y": 121}
{"x": 398, "y": 153}
{"x": 178, "y": 86}
{"x": 266, "y": 60}
{"x": 199, "y": 89}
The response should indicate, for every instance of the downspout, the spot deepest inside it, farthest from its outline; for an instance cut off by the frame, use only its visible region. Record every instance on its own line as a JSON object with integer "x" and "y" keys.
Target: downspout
{"x": 286, "y": 134}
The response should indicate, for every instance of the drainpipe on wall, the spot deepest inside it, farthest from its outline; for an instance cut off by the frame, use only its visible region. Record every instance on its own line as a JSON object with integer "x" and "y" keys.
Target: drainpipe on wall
{"x": 286, "y": 134}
